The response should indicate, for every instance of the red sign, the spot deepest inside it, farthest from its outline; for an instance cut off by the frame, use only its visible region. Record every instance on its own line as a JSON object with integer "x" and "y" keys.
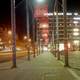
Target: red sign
{"x": 40, "y": 10}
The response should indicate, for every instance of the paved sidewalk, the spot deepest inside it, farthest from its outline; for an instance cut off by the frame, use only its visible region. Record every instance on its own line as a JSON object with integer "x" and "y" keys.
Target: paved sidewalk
{"x": 43, "y": 67}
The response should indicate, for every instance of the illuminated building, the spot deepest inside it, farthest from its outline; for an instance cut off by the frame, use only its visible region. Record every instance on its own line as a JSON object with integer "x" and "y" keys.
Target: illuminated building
{"x": 73, "y": 23}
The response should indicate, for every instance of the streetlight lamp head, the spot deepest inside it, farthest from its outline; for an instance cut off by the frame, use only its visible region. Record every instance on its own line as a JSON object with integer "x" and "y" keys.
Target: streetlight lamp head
{"x": 39, "y": 1}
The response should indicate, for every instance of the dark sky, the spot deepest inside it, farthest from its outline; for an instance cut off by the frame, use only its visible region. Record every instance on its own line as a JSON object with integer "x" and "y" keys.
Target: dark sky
{"x": 73, "y": 5}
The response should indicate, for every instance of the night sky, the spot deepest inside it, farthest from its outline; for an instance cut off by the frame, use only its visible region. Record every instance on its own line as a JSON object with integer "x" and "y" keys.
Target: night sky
{"x": 72, "y": 5}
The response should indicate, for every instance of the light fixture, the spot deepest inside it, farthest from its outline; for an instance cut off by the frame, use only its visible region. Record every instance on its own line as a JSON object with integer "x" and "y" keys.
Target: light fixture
{"x": 40, "y": 1}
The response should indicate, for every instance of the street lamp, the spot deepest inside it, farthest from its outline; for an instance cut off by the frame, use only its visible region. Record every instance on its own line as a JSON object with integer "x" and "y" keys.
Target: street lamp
{"x": 29, "y": 40}
{"x": 25, "y": 37}
{"x": 9, "y": 32}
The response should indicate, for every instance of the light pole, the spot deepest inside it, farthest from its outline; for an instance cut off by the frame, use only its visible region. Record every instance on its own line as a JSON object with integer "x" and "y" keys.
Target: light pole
{"x": 13, "y": 25}
{"x": 65, "y": 36}
{"x": 53, "y": 32}
{"x": 27, "y": 24}
{"x": 57, "y": 31}
{"x": 34, "y": 31}
{"x": 28, "y": 47}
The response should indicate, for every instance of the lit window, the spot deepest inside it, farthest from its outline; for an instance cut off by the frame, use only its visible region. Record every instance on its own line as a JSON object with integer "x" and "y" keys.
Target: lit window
{"x": 76, "y": 29}
{"x": 76, "y": 42}
{"x": 75, "y": 33}
{"x": 61, "y": 46}
{"x": 75, "y": 22}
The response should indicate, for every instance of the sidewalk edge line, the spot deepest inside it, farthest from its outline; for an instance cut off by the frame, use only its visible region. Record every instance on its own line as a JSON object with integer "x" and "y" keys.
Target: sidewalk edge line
{"x": 72, "y": 72}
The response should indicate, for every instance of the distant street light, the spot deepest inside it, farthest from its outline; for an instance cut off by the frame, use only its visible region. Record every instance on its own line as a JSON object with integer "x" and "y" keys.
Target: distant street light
{"x": 25, "y": 37}
{"x": 29, "y": 40}
{"x": 9, "y": 32}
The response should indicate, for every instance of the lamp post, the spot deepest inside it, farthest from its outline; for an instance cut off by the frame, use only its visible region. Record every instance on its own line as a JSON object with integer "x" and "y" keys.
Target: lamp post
{"x": 13, "y": 25}
{"x": 28, "y": 47}
{"x": 65, "y": 36}
{"x": 27, "y": 24}
{"x": 33, "y": 22}
{"x": 57, "y": 31}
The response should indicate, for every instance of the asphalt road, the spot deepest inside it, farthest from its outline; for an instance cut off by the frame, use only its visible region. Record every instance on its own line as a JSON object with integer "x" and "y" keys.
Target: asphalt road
{"x": 7, "y": 56}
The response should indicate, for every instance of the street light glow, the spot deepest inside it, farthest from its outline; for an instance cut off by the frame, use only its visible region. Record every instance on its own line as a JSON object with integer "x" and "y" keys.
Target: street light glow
{"x": 39, "y": 1}
{"x": 10, "y": 32}
{"x": 25, "y": 37}
{"x": 29, "y": 40}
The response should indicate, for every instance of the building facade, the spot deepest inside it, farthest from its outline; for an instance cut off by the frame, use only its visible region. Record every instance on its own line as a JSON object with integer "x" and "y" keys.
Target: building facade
{"x": 56, "y": 24}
